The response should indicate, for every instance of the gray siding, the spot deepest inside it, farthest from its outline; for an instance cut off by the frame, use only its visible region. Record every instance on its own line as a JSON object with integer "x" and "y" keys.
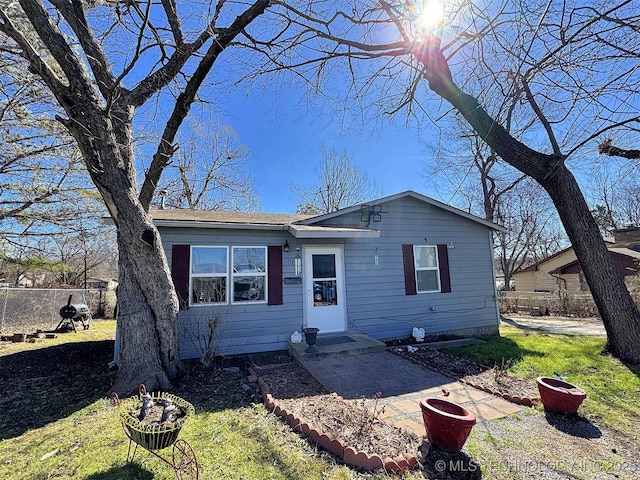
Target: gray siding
{"x": 245, "y": 327}
{"x": 376, "y": 301}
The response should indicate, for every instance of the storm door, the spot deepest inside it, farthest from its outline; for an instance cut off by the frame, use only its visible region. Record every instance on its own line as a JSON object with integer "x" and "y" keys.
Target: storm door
{"x": 324, "y": 289}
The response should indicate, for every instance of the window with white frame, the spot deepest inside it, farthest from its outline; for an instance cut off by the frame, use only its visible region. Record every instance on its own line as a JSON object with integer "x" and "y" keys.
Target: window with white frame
{"x": 209, "y": 274}
{"x": 249, "y": 274}
{"x": 213, "y": 282}
{"x": 427, "y": 271}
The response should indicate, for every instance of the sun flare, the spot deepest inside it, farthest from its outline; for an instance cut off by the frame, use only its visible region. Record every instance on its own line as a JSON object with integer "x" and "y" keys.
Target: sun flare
{"x": 431, "y": 15}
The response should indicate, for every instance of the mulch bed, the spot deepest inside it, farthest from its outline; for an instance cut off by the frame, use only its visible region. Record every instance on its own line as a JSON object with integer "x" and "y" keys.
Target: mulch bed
{"x": 296, "y": 396}
{"x": 357, "y": 434}
{"x": 494, "y": 380}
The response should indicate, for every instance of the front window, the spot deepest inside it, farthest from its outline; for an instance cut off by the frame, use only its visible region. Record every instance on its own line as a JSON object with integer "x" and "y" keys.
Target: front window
{"x": 427, "y": 273}
{"x": 219, "y": 274}
{"x": 249, "y": 274}
{"x": 209, "y": 274}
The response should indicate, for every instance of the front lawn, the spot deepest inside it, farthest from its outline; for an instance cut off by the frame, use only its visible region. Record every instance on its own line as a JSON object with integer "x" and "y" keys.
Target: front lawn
{"x": 56, "y": 423}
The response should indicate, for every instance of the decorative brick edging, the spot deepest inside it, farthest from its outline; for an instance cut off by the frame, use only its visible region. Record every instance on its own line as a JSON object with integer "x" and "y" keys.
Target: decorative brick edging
{"x": 526, "y": 401}
{"x": 348, "y": 454}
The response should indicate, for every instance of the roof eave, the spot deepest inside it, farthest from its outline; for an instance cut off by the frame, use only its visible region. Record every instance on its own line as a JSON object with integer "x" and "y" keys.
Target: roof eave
{"x": 219, "y": 225}
{"x": 329, "y": 232}
{"x": 409, "y": 193}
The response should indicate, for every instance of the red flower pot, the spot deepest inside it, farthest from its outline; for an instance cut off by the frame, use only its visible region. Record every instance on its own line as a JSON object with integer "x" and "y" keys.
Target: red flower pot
{"x": 558, "y": 396}
{"x": 448, "y": 425}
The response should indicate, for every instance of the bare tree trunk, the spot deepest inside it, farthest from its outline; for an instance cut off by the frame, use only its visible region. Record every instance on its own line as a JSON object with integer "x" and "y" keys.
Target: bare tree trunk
{"x": 141, "y": 359}
{"x": 617, "y": 309}
{"x": 147, "y": 302}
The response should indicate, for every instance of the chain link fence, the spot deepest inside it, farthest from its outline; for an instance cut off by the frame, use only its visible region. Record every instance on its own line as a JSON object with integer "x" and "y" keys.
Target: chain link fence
{"x": 541, "y": 304}
{"x": 24, "y": 310}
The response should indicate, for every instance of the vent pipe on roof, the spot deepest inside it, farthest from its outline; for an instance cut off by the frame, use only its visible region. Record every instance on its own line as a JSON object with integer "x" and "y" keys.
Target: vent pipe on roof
{"x": 162, "y": 200}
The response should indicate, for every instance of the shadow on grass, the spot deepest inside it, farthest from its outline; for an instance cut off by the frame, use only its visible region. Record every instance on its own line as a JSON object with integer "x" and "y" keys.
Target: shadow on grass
{"x": 127, "y": 471}
{"x": 494, "y": 351}
{"x": 215, "y": 388}
{"x": 635, "y": 369}
{"x": 573, "y": 425}
{"x": 456, "y": 466}
{"x": 46, "y": 384}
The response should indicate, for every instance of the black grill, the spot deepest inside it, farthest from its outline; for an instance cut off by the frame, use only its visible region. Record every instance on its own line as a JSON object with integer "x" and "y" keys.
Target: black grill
{"x": 74, "y": 312}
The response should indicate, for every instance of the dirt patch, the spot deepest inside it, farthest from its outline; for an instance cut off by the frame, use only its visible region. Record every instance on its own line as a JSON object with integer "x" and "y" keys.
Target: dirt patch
{"x": 364, "y": 428}
{"x": 358, "y": 426}
{"x": 494, "y": 379}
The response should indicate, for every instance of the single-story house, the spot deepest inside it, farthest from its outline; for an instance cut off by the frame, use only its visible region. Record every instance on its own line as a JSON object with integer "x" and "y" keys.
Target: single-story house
{"x": 561, "y": 272}
{"x": 380, "y": 268}
{"x": 100, "y": 283}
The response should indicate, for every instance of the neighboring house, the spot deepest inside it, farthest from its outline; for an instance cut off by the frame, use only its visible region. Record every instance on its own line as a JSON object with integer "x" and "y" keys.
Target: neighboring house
{"x": 381, "y": 269}
{"x": 98, "y": 283}
{"x": 561, "y": 272}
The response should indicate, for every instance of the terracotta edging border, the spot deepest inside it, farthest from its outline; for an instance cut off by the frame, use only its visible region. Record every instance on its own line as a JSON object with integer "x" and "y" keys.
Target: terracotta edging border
{"x": 338, "y": 447}
{"x": 525, "y": 401}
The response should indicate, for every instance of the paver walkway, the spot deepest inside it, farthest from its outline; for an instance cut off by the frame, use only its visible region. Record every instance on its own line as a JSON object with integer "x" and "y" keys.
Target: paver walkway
{"x": 401, "y": 384}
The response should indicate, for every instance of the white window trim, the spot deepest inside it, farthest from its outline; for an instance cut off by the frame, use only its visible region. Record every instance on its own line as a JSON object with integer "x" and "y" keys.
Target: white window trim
{"x": 233, "y": 274}
{"x": 229, "y": 276}
{"x": 204, "y": 275}
{"x": 436, "y": 268}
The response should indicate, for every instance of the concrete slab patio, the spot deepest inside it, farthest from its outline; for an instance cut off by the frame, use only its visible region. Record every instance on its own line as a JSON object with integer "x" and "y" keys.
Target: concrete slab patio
{"x": 401, "y": 384}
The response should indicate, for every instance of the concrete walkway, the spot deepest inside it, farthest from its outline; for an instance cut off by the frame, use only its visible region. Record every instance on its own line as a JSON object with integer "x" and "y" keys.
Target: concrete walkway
{"x": 560, "y": 325}
{"x": 401, "y": 384}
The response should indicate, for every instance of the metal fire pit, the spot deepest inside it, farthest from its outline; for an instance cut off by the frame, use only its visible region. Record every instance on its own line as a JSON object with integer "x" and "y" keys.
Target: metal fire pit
{"x": 157, "y": 437}
{"x": 71, "y": 313}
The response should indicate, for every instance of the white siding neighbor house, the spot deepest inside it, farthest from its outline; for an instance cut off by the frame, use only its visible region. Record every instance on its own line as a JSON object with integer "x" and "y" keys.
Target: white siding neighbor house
{"x": 380, "y": 268}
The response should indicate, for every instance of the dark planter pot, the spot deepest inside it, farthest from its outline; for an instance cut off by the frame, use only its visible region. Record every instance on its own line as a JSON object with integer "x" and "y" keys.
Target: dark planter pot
{"x": 448, "y": 425}
{"x": 310, "y": 336}
{"x": 558, "y": 396}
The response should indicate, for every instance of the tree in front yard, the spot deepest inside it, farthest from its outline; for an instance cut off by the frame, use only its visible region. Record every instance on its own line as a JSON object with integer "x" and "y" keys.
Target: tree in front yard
{"x": 553, "y": 50}
{"x": 571, "y": 67}
{"x": 103, "y": 62}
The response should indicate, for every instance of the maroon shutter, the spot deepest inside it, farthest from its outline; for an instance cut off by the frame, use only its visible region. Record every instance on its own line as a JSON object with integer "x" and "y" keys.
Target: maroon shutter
{"x": 274, "y": 274}
{"x": 180, "y": 273}
{"x": 443, "y": 262}
{"x": 409, "y": 270}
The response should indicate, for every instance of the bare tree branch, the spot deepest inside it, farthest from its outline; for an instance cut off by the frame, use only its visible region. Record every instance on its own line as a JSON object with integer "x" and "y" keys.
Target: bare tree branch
{"x": 73, "y": 13}
{"x": 607, "y": 148}
{"x": 188, "y": 95}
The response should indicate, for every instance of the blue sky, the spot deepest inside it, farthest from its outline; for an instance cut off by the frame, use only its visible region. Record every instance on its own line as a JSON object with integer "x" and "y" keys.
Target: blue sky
{"x": 286, "y": 139}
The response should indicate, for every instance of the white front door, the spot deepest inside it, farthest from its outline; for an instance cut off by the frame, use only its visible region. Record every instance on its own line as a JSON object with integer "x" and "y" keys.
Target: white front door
{"x": 324, "y": 289}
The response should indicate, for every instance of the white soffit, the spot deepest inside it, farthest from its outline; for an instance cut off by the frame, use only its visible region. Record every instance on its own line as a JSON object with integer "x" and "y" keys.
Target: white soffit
{"x": 310, "y": 231}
